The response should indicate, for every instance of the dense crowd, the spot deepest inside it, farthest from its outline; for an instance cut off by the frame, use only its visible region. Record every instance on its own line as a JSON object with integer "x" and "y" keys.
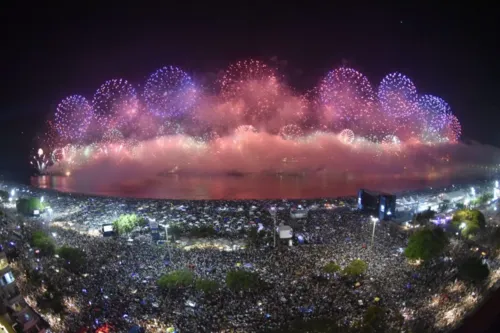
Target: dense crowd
{"x": 118, "y": 283}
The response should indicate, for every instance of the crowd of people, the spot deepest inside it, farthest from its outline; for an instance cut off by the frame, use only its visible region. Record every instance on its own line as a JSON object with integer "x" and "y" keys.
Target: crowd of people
{"x": 118, "y": 283}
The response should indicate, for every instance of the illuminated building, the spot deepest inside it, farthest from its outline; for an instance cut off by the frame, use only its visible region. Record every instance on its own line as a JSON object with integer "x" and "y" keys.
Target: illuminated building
{"x": 15, "y": 314}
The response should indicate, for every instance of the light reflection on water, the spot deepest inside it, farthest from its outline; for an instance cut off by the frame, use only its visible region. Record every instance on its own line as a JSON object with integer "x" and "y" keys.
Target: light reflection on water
{"x": 230, "y": 187}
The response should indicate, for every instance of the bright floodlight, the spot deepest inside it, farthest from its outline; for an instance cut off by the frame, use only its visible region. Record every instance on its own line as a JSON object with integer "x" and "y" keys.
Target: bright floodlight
{"x": 462, "y": 225}
{"x": 12, "y": 192}
{"x": 42, "y": 198}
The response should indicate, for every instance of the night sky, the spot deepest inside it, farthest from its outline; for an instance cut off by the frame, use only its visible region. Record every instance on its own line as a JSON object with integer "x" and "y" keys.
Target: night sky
{"x": 51, "y": 53}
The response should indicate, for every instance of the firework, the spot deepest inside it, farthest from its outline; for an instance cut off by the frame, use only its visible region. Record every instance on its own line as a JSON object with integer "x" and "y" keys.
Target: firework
{"x": 435, "y": 111}
{"x": 452, "y": 128}
{"x": 170, "y": 93}
{"x": 72, "y": 118}
{"x": 210, "y": 136}
{"x": 291, "y": 132}
{"x": 348, "y": 95}
{"x": 39, "y": 161}
{"x": 397, "y": 95}
{"x": 112, "y": 136}
{"x": 254, "y": 83}
{"x": 170, "y": 128}
{"x": 440, "y": 124}
{"x": 56, "y": 155}
{"x": 346, "y": 136}
{"x": 253, "y": 104}
{"x": 391, "y": 140}
{"x": 49, "y": 137}
{"x": 115, "y": 103}
{"x": 245, "y": 129}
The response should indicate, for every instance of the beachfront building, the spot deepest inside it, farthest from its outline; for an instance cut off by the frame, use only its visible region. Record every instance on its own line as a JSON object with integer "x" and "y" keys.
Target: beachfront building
{"x": 15, "y": 314}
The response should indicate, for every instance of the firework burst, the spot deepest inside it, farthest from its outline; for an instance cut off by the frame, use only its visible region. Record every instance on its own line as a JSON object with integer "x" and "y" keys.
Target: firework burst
{"x": 348, "y": 96}
{"x": 252, "y": 105}
{"x": 397, "y": 95}
{"x": 291, "y": 132}
{"x": 346, "y": 136}
{"x": 73, "y": 116}
{"x": 170, "y": 93}
{"x": 256, "y": 85}
{"x": 115, "y": 103}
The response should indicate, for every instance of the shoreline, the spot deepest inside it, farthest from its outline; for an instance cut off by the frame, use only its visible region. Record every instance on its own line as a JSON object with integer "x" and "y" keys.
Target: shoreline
{"x": 150, "y": 190}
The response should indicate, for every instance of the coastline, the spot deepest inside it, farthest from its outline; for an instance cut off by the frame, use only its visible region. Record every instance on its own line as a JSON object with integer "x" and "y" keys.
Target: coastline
{"x": 242, "y": 188}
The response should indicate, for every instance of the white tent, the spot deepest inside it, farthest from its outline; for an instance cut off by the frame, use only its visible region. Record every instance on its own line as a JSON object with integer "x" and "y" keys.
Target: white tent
{"x": 285, "y": 232}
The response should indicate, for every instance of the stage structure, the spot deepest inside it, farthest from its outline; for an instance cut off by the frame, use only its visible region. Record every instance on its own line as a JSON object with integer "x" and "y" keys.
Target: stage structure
{"x": 107, "y": 230}
{"x": 155, "y": 233}
{"x": 299, "y": 213}
{"x": 285, "y": 231}
{"x": 382, "y": 204}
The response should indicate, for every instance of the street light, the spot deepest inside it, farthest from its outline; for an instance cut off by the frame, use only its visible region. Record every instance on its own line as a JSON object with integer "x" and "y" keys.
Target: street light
{"x": 272, "y": 211}
{"x": 462, "y": 226}
{"x": 168, "y": 244}
{"x": 374, "y": 221}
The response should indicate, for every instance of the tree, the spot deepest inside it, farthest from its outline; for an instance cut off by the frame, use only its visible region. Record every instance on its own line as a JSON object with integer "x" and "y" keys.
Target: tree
{"x": 141, "y": 221}
{"x": 207, "y": 286}
{"x": 74, "y": 258}
{"x": 239, "y": 280}
{"x": 424, "y": 217}
{"x": 460, "y": 205}
{"x": 51, "y": 301}
{"x": 4, "y": 196}
{"x": 473, "y": 270}
{"x": 175, "y": 231}
{"x": 425, "y": 244}
{"x": 43, "y": 242}
{"x": 125, "y": 223}
{"x": 34, "y": 277}
{"x": 484, "y": 198}
{"x": 473, "y": 221}
{"x": 255, "y": 237}
{"x": 444, "y": 205}
{"x": 176, "y": 279}
{"x": 355, "y": 268}
{"x": 374, "y": 320}
{"x": 331, "y": 267}
{"x": 27, "y": 206}
{"x": 494, "y": 238}
{"x": 203, "y": 231}
{"x": 377, "y": 319}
